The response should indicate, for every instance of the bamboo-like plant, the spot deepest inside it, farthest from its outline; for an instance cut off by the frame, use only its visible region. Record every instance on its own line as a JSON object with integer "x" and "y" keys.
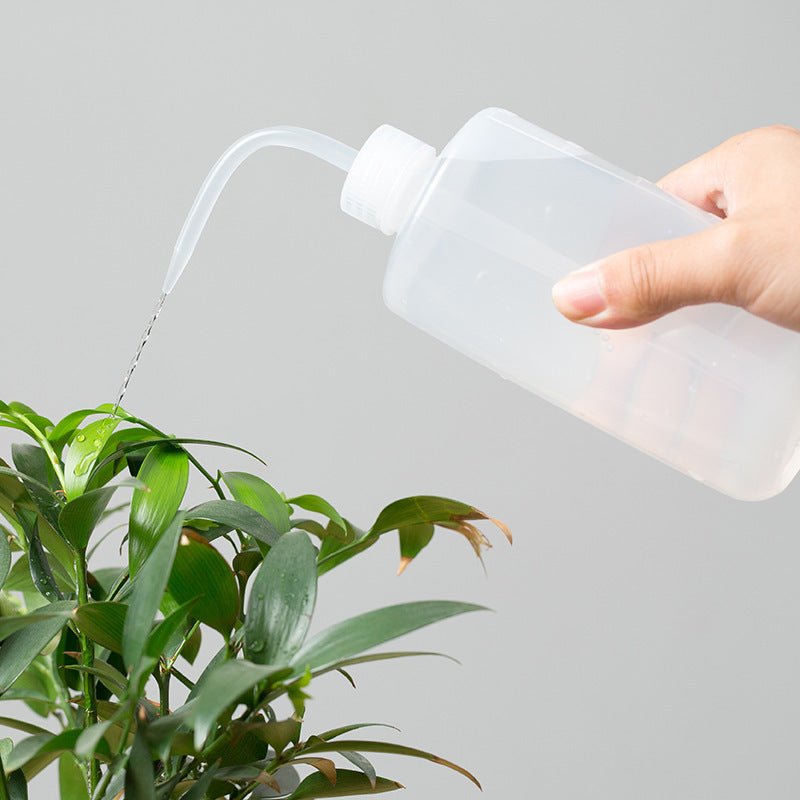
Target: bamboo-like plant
{"x": 83, "y": 646}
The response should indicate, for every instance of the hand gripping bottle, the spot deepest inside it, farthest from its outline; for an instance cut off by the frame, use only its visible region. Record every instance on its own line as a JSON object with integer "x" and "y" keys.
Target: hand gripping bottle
{"x": 485, "y": 229}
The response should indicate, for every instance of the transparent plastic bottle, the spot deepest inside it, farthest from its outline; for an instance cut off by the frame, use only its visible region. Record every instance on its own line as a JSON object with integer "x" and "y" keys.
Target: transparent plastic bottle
{"x": 487, "y": 228}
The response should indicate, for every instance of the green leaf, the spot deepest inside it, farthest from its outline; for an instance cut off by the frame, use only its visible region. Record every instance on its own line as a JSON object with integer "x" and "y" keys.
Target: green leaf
{"x": 79, "y": 517}
{"x": 33, "y": 754}
{"x": 71, "y": 780}
{"x": 363, "y": 746}
{"x": 200, "y": 789}
{"x": 163, "y": 633}
{"x": 62, "y": 432}
{"x": 147, "y": 590}
{"x": 334, "y": 733}
{"x": 413, "y": 539}
{"x": 348, "y": 783}
{"x": 278, "y": 734}
{"x": 43, "y": 498}
{"x": 32, "y": 460}
{"x": 372, "y": 657}
{"x": 165, "y": 472}
{"x": 222, "y": 688}
{"x": 22, "y": 725}
{"x": 336, "y": 551}
{"x": 364, "y": 764}
{"x": 103, "y": 622}
{"x": 41, "y": 574}
{"x": 436, "y": 511}
{"x": 5, "y": 557}
{"x": 128, "y": 448}
{"x": 312, "y": 502}
{"x": 234, "y": 515}
{"x": 260, "y": 496}
{"x": 282, "y": 599}
{"x": 111, "y": 677}
{"x": 201, "y": 573}
{"x": 88, "y": 742}
{"x": 83, "y": 453}
{"x": 48, "y": 616}
{"x": 17, "y": 786}
{"x": 140, "y": 780}
{"x": 361, "y": 633}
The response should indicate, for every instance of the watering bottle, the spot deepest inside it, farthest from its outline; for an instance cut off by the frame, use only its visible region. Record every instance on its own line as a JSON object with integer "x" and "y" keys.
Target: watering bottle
{"x": 483, "y": 232}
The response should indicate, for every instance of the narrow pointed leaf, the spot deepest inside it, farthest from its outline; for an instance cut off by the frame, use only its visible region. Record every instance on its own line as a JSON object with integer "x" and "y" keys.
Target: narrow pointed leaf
{"x": 348, "y": 783}
{"x": 364, "y": 764}
{"x": 333, "y": 733}
{"x": 282, "y": 598}
{"x": 62, "y": 432}
{"x": 222, "y": 688}
{"x": 41, "y": 573}
{"x": 370, "y": 657}
{"x": 90, "y": 738}
{"x": 358, "y": 634}
{"x": 103, "y": 622}
{"x": 163, "y": 633}
{"x": 147, "y": 590}
{"x": 324, "y": 766}
{"x": 201, "y": 574}
{"x": 111, "y": 677}
{"x": 312, "y": 502}
{"x": 365, "y": 746}
{"x": 22, "y": 725}
{"x": 52, "y": 615}
{"x": 260, "y": 496}
{"x": 34, "y": 753}
{"x": 17, "y": 786}
{"x": 43, "y": 498}
{"x": 71, "y": 778}
{"x": 83, "y": 453}
{"x": 140, "y": 781}
{"x": 201, "y": 787}
{"x": 278, "y": 734}
{"x": 425, "y": 508}
{"x": 233, "y": 515}
{"x": 165, "y": 473}
{"x": 413, "y": 540}
{"x": 79, "y": 517}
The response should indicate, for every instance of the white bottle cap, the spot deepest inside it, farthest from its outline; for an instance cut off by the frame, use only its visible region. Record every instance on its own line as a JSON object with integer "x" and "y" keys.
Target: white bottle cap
{"x": 387, "y": 175}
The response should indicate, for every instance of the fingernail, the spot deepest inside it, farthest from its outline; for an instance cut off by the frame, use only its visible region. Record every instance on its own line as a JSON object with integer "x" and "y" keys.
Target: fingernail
{"x": 579, "y": 295}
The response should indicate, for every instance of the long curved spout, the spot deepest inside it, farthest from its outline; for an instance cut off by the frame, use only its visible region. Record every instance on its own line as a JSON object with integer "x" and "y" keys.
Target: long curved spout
{"x": 317, "y": 144}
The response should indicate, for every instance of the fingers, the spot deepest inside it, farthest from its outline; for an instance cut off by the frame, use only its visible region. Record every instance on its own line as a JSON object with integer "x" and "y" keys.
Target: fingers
{"x": 700, "y": 182}
{"x": 641, "y": 284}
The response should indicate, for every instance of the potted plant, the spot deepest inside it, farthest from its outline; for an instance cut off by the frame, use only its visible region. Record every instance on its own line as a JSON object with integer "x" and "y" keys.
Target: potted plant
{"x": 102, "y": 653}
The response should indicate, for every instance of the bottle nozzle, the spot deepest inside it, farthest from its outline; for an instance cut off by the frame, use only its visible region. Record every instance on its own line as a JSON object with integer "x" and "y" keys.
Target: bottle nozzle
{"x": 317, "y": 144}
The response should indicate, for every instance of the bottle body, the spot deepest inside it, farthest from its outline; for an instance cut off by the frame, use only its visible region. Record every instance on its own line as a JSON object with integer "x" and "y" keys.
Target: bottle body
{"x": 507, "y": 211}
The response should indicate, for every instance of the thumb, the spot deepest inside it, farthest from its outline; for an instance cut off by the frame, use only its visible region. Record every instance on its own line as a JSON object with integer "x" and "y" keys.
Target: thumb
{"x": 646, "y": 282}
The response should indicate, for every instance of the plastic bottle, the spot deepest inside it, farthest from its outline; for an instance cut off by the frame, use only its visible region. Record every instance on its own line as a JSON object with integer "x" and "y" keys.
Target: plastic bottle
{"x": 485, "y": 229}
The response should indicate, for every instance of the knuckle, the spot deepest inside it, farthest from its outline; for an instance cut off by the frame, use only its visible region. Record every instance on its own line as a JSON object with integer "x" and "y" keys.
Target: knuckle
{"x": 640, "y": 276}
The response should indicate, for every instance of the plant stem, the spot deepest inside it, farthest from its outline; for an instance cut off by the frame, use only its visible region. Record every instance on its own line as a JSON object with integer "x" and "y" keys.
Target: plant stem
{"x": 187, "y": 682}
{"x": 87, "y": 660}
{"x": 162, "y": 677}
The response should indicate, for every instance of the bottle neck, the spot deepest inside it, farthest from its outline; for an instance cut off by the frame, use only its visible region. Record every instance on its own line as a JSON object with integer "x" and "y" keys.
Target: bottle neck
{"x": 386, "y": 178}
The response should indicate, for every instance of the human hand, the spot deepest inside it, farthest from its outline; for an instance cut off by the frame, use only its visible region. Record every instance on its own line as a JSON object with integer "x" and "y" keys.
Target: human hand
{"x": 751, "y": 259}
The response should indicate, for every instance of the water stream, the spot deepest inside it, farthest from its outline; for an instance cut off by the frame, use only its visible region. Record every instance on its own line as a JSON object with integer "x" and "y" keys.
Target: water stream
{"x": 142, "y": 343}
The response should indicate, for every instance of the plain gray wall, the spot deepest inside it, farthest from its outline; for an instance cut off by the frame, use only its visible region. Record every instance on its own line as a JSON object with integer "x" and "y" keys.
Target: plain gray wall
{"x": 646, "y": 640}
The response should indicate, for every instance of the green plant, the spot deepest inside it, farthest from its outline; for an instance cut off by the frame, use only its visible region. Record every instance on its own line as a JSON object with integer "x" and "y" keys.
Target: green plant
{"x": 82, "y": 645}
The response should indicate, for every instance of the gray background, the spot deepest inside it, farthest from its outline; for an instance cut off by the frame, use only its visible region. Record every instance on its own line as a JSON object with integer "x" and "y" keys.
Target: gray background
{"x": 646, "y": 639}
